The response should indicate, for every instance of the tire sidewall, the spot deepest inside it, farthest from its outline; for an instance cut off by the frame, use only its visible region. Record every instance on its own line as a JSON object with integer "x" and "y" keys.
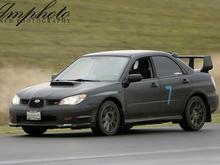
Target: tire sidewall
{"x": 107, "y": 103}
{"x": 187, "y": 112}
{"x": 34, "y": 131}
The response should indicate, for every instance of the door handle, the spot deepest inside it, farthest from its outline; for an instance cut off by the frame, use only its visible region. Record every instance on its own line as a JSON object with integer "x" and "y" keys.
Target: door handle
{"x": 154, "y": 85}
{"x": 185, "y": 81}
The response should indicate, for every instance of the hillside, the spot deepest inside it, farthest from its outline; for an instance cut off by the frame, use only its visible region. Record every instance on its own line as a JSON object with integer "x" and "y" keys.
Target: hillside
{"x": 97, "y": 25}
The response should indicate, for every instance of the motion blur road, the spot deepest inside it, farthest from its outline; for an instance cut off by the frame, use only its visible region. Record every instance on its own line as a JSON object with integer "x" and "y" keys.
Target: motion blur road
{"x": 162, "y": 146}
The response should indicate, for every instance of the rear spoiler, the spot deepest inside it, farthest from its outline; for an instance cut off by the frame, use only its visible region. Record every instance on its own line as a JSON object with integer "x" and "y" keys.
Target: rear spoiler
{"x": 207, "y": 61}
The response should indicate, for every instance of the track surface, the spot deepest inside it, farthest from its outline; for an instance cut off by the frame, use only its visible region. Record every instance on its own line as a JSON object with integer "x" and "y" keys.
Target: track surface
{"x": 162, "y": 146}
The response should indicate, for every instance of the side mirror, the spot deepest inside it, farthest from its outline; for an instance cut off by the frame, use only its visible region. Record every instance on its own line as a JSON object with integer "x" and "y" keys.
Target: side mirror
{"x": 134, "y": 78}
{"x": 53, "y": 77}
{"x": 131, "y": 79}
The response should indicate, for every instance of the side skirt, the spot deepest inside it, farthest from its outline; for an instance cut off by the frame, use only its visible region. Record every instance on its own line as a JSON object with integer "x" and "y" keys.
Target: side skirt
{"x": 154, "y": 120}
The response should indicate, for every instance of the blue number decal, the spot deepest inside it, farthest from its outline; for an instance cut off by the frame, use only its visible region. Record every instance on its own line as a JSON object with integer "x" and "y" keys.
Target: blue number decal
{"x": 169, "y": 88}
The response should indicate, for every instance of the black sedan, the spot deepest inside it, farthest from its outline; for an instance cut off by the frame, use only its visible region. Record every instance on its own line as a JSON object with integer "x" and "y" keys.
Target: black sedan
{"x": 112, "y": 91}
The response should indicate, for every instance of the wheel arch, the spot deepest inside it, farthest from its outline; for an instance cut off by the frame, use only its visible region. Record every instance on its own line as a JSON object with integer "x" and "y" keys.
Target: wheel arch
{"x": 204, "y": 98}
{"x": 119, "y": 105}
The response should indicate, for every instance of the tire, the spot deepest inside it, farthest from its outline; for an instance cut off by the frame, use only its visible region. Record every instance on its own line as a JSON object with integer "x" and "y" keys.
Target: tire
{"x": 34, "y": 131}
{"x": 108, "y": 119}
{"x": 194, "y": 116}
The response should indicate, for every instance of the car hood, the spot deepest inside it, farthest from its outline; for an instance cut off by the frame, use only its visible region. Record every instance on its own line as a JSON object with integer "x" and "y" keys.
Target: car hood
{"x": 48, "y": 91}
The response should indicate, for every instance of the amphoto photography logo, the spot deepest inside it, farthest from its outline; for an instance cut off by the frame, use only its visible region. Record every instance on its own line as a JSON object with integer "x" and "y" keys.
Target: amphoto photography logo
{"x": 51, "y": 12}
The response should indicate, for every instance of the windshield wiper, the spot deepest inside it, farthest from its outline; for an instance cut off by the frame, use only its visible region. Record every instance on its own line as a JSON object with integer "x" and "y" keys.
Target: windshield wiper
{"x": 83, "y": 80}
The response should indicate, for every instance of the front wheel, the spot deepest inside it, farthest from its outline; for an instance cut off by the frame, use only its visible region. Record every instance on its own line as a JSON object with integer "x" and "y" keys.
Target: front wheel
{"x": 195, "y": 115}
{"x": 34, "y": 131}
{"x": 108, "y": 119}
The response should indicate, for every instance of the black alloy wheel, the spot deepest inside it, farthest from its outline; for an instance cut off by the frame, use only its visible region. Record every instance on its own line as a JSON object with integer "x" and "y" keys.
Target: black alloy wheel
{"x": 195, "y": 115}
{"x": 108, "y": 119}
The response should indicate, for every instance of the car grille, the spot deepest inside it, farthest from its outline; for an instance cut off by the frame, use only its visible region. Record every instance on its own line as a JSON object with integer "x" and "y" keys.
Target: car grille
{"x": 32, "y": 103}
{"x": 36, "y": 103}
{"x": 53, "y": 102}
{"x": 24, "y": 101}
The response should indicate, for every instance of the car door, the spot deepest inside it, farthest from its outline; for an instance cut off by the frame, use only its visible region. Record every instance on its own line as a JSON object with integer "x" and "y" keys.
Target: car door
{"x": 175, "y": 85}
{"x": 143, "y": 98}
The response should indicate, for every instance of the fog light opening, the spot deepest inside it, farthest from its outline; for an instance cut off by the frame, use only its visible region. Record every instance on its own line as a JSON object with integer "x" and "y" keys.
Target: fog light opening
{"x": 68, "y": 118}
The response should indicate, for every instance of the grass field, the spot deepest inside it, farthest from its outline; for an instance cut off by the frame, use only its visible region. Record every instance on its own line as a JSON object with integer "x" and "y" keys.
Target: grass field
{"x": 97, "y": 25}
{"x": 30, "y": 53}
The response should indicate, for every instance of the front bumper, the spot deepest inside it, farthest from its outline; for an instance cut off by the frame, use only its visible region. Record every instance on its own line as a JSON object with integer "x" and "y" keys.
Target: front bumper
{"x": 56, "y": 116}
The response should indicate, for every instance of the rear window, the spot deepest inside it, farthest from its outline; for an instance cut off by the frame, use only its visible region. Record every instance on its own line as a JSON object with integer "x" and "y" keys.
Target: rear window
{"x": 166, "y": 67}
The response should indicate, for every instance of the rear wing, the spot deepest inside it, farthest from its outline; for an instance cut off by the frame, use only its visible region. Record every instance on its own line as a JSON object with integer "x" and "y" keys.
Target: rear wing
{"x": 207, "y": 61}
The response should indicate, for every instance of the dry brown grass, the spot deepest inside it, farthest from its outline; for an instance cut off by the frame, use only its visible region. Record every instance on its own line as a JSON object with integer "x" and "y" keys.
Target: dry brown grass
{"x": 12, "y": 79}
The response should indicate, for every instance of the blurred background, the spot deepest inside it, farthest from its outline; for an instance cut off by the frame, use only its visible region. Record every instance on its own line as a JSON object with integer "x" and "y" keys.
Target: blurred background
{"x": 31, "y": 52}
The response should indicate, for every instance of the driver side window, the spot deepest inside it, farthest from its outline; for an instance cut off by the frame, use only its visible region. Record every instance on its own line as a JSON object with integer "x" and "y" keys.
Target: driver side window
{"x": 142, "y": 66}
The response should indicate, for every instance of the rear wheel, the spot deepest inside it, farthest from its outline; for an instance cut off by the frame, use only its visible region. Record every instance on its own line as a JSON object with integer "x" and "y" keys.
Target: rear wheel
{"x": 34, "y": 131}
{"x": 195, "y": 115}
{"x": 108, "y": 119}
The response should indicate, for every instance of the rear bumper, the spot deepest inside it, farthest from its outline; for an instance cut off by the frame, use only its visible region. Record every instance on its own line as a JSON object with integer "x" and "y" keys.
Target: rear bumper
{"x": 77, "y": 116}
{"x": 213, "y": 101}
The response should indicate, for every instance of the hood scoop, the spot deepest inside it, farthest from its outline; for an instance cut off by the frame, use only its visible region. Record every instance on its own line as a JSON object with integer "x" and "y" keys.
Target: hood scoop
{"x": 61, "y": 83}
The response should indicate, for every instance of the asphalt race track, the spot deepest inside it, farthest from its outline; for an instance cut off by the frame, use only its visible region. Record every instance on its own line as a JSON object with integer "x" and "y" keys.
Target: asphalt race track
{"x": 161, "y": 146}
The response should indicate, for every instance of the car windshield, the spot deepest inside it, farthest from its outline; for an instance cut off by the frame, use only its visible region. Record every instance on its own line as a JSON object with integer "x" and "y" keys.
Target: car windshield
{"x": 94, "y": 68}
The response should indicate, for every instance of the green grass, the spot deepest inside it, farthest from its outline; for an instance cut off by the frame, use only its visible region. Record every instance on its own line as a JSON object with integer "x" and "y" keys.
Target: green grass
{"x": 97, "y": 25}
{"x": 6, "y": 130}
{"x": 216, "y": 118}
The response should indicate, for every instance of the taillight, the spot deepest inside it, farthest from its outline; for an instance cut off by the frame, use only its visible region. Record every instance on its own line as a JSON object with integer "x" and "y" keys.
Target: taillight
{"x": 213, "y": 81}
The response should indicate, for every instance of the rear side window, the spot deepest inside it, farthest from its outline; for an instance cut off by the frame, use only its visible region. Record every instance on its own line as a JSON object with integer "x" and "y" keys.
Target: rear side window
{"x": 166, "y": 67}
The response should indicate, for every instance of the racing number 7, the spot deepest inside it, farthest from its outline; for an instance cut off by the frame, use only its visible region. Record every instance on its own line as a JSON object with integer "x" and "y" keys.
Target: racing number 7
{"x": 169, "y": 89}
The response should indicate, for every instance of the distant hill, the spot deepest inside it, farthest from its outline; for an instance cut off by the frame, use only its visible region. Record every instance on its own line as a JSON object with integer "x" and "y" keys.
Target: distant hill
{"x": 191, "y": 26}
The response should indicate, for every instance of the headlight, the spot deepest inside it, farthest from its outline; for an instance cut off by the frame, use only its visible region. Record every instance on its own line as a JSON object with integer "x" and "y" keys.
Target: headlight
{"x": 16, "y": 100}
{"x": 73, "y": 100}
